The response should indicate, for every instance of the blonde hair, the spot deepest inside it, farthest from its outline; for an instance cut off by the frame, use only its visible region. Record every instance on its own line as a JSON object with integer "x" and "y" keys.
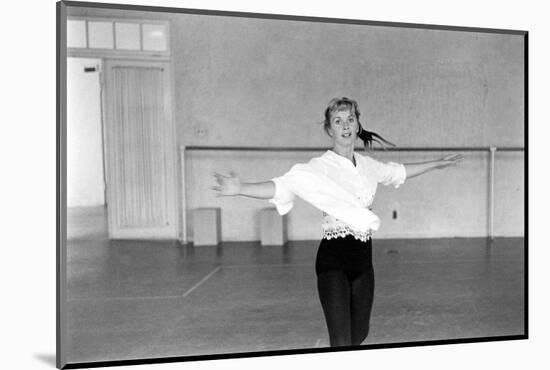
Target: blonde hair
{"x": 346, "y": 104}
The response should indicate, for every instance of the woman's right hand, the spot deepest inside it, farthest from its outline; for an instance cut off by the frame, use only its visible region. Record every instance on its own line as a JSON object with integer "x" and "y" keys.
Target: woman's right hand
{"x": 227, "y": 185}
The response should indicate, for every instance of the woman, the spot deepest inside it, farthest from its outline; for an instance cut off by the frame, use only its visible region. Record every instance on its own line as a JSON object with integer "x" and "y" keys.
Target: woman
{"x": 342, "y": 184}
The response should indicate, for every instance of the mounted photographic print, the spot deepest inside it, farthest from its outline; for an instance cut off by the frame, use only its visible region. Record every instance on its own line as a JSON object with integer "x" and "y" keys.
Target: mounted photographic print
{"x": 238, "y": 184}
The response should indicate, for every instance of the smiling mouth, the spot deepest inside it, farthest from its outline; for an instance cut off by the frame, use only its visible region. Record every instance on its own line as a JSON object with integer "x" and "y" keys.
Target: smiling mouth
{"x": 347, "y": 134}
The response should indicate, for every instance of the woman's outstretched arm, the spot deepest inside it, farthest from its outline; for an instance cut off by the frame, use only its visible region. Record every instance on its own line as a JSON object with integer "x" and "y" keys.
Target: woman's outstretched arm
{"x": 232, "y": 186}
{"x": 415, "y": 169}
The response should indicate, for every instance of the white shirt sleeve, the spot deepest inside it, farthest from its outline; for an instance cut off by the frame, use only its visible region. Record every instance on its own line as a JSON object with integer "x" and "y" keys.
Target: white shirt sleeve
{"x": 320, "y": 191}
{"x": 391, "y": 173}
{"x": 284, "y": 197}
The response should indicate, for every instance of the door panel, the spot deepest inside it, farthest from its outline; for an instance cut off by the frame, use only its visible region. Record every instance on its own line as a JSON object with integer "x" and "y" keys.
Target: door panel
{"x": 85, "y": 174}
{"x": 140, "y": 150}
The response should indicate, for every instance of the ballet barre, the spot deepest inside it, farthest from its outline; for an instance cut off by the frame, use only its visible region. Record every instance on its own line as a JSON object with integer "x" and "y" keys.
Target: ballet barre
{"x": 492, "y": 150}
{"x": 320, "y": 149}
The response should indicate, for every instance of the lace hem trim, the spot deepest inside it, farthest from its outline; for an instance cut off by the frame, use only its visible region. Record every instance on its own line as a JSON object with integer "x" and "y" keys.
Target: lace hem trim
{"x": 342, "y": 232}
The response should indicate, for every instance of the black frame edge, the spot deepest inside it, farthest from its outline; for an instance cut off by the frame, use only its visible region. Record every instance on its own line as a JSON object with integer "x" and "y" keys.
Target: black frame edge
{"x": 288, "y": 352}
{"x": 225, "y": 13}
{"x": 526, "y": 182}
{"x": 61, "y": 203}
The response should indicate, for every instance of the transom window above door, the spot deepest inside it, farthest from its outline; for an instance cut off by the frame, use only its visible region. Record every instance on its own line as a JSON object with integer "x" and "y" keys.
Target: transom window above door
{"x": 119, "y": 35}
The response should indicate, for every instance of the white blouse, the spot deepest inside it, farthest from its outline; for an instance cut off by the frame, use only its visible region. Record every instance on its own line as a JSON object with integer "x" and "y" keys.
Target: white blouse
{"x": 343, "y": 192}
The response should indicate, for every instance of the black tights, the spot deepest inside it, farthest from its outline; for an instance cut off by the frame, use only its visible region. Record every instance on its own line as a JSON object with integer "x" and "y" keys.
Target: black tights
{"x": 346, "y": 293}
{"x": 347, "y": 306}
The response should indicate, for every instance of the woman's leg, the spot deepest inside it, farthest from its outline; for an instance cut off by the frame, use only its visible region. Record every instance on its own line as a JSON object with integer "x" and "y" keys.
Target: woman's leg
{"x": 334, "y": 293}
{"x": 362, "y": 293}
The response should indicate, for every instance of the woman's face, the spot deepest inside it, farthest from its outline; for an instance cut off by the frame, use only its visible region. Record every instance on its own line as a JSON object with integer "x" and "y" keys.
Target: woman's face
{"x": 343, "y": 127}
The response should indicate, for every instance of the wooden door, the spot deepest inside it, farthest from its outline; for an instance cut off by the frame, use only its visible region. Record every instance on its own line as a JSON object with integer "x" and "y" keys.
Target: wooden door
{"x": 140, "y": 150}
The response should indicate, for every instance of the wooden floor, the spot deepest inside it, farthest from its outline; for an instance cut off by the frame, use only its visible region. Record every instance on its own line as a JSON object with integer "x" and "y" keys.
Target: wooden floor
{"x": 143, "y": 299}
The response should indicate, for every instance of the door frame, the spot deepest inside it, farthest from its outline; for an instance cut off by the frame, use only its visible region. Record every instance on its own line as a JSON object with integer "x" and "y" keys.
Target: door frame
{"x": 170, "y": 134}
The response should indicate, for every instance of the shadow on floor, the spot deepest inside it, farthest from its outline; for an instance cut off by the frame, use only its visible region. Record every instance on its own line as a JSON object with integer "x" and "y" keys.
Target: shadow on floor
{"x": 47, "y": 358}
